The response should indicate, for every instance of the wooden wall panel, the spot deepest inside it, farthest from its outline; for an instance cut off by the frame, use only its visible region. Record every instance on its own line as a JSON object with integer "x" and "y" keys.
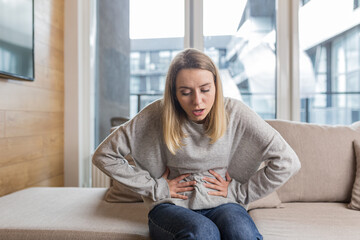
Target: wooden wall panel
{"x": 49, "y": 57}
{"x": 53, "y": 143}
{"x": 20, "y": 123}
{"x": 43, "y": 73}
{"x": 21, "y": 149}
{"x": 54, "y": 10}
{"x": 49, "y": 35}
{"x": 20, "y": 97}
{"x": 32, "y": 113}
{"x": 25, "y": 174}
{"x": 51, "y": 182}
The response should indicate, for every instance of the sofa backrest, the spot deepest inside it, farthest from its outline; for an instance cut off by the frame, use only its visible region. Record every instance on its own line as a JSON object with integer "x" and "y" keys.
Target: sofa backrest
{"x": 327, "y": 161}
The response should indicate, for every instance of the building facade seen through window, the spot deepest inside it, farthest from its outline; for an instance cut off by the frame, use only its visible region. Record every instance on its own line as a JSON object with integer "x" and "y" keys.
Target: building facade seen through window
{"x": 236, "y": 41}
{"x": 247, "y": 51}
{"x": 246, "y": 56}
{"x": 330, "y": 93}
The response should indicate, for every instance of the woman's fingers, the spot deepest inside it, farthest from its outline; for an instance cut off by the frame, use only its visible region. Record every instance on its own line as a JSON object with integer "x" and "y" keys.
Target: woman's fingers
{"x": 218, "y": 184}
{"x": 176, "y": 192}
{"x": 215, "y": 174}
{"x": 211, "y": 180}
{"x": 176, "y": 187}
{"x": 180, "y": 196}
{"x": 185, "y": 184}
{"x": 213, "y": 186}
{"x": 181, "y": 177}
{"x": 166, "y": 173}
{"x": 227, "y": 176}
{"x": 186, "y": 189}
{"x": 216, "y": 193}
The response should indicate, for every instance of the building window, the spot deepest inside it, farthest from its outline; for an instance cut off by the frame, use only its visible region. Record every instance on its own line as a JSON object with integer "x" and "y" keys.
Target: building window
{"x": 303, "y": 2}
{"x": 330, "y": 85}
{"x": 242, "y": 43}
{"x": 356, "y": 4}
{"x": 235, "y": 40}
{"x": 156, "y": 36}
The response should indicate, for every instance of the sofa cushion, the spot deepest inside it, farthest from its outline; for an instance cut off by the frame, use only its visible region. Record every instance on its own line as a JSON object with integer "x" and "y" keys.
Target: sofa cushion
{"x": 270, "y": 201}
{"x": 308, "y": 221}
{"x": 327, "y": 161}
{"x": 118, "y": 193}
{"x": 69, "y": 213}
{"x": 356, "y": 126}
{"x": 355, "y": 197}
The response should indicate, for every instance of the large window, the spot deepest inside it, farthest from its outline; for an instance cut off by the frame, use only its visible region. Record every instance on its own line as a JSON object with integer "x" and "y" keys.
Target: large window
{"x": 241, "y": 33}
{"x": 330, "y": 84}
{"x": 254, "y": 44}
{"x": 248, "y": 41}
{"x": 242, "y": 42}
{"x": 156, "y": 35}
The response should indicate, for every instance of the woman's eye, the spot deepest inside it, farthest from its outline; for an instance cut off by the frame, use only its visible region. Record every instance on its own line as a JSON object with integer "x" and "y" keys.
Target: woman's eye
{"x": 205, "y": 90}
{"x": 185, "y": 93}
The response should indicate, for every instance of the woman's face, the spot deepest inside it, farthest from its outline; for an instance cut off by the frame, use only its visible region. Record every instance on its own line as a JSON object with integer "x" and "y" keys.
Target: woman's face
{"x": 195, "y": 91}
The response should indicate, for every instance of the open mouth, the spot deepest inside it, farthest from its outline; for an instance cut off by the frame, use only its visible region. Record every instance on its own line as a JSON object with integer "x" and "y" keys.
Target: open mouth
{"x": 198, "y": 112}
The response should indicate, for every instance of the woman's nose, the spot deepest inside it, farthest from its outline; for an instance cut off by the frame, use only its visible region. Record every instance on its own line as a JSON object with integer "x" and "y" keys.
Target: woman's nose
{"x": 196, "y": 98}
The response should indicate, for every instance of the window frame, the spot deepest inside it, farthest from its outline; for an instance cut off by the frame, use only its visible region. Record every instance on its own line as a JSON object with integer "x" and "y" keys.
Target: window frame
{"x": 287, "y": 57}
{"x": 78, "y": 146}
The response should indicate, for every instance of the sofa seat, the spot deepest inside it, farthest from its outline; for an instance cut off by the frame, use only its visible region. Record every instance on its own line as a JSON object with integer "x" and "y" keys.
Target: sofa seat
{"x": 331, "y": 221}
{"x": 69, "y": 213}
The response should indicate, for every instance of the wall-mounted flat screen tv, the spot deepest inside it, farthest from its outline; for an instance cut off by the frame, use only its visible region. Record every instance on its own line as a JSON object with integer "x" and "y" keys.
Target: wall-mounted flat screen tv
{"x": 17, "y": 39}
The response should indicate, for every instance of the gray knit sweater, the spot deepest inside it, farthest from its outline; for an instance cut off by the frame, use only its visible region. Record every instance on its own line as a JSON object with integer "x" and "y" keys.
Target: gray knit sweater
{"x": 248, "y": 141}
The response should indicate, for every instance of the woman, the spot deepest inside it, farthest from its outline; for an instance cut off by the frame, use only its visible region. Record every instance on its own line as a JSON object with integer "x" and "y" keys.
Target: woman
{"x": 197, "y": 156}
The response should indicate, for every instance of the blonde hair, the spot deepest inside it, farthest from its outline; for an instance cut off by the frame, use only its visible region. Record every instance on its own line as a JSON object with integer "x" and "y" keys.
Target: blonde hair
{"x": 173, "y": 114}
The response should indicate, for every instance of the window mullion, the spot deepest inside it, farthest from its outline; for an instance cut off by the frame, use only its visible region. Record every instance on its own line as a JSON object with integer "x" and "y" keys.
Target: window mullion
{"x": 194, "y": 24}
{"x": 288, "y": 91}
{"x": 295, "y": 62}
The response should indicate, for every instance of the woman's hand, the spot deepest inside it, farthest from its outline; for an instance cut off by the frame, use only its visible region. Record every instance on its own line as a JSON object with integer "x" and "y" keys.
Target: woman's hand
{"x": 218, "y": 184}
{"x": 176, "y": 187}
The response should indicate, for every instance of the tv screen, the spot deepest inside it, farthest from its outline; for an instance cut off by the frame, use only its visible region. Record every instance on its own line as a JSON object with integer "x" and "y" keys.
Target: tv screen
{"x": 17, "y": 39}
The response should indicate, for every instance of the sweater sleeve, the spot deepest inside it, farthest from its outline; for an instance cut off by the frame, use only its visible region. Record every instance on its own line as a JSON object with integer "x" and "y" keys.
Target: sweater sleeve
{"x": 256, "y": 142}
{"x": 132, "y": 138}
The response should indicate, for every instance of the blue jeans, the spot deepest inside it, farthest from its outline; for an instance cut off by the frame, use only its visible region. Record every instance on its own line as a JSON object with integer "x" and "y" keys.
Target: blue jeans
{"x": 227, "y": 221}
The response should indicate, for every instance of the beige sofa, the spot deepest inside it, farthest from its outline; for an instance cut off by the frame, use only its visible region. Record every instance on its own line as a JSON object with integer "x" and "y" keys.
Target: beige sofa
{"x": 311, "y": 205}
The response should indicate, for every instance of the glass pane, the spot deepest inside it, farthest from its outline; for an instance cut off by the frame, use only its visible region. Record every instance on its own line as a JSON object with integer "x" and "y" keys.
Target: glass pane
{"x": 135, "y": 42}
{"x": 156, "y": 36}
{"x": 241, "y": 40}
{"x": 352, "y": 52}
{"x": 330, "y": 85}
{"x": 321, "y": 82}
{"x": 322, "y": 61}
{"x": 347, "y": 109}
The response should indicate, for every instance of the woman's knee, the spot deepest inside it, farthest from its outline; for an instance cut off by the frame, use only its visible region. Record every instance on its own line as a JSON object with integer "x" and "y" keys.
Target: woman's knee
{"x": 205, "y": 229}
{"x": 234, "y": 222}
{"x": 172, "y": 222}
{"x": 241, "y": 231}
